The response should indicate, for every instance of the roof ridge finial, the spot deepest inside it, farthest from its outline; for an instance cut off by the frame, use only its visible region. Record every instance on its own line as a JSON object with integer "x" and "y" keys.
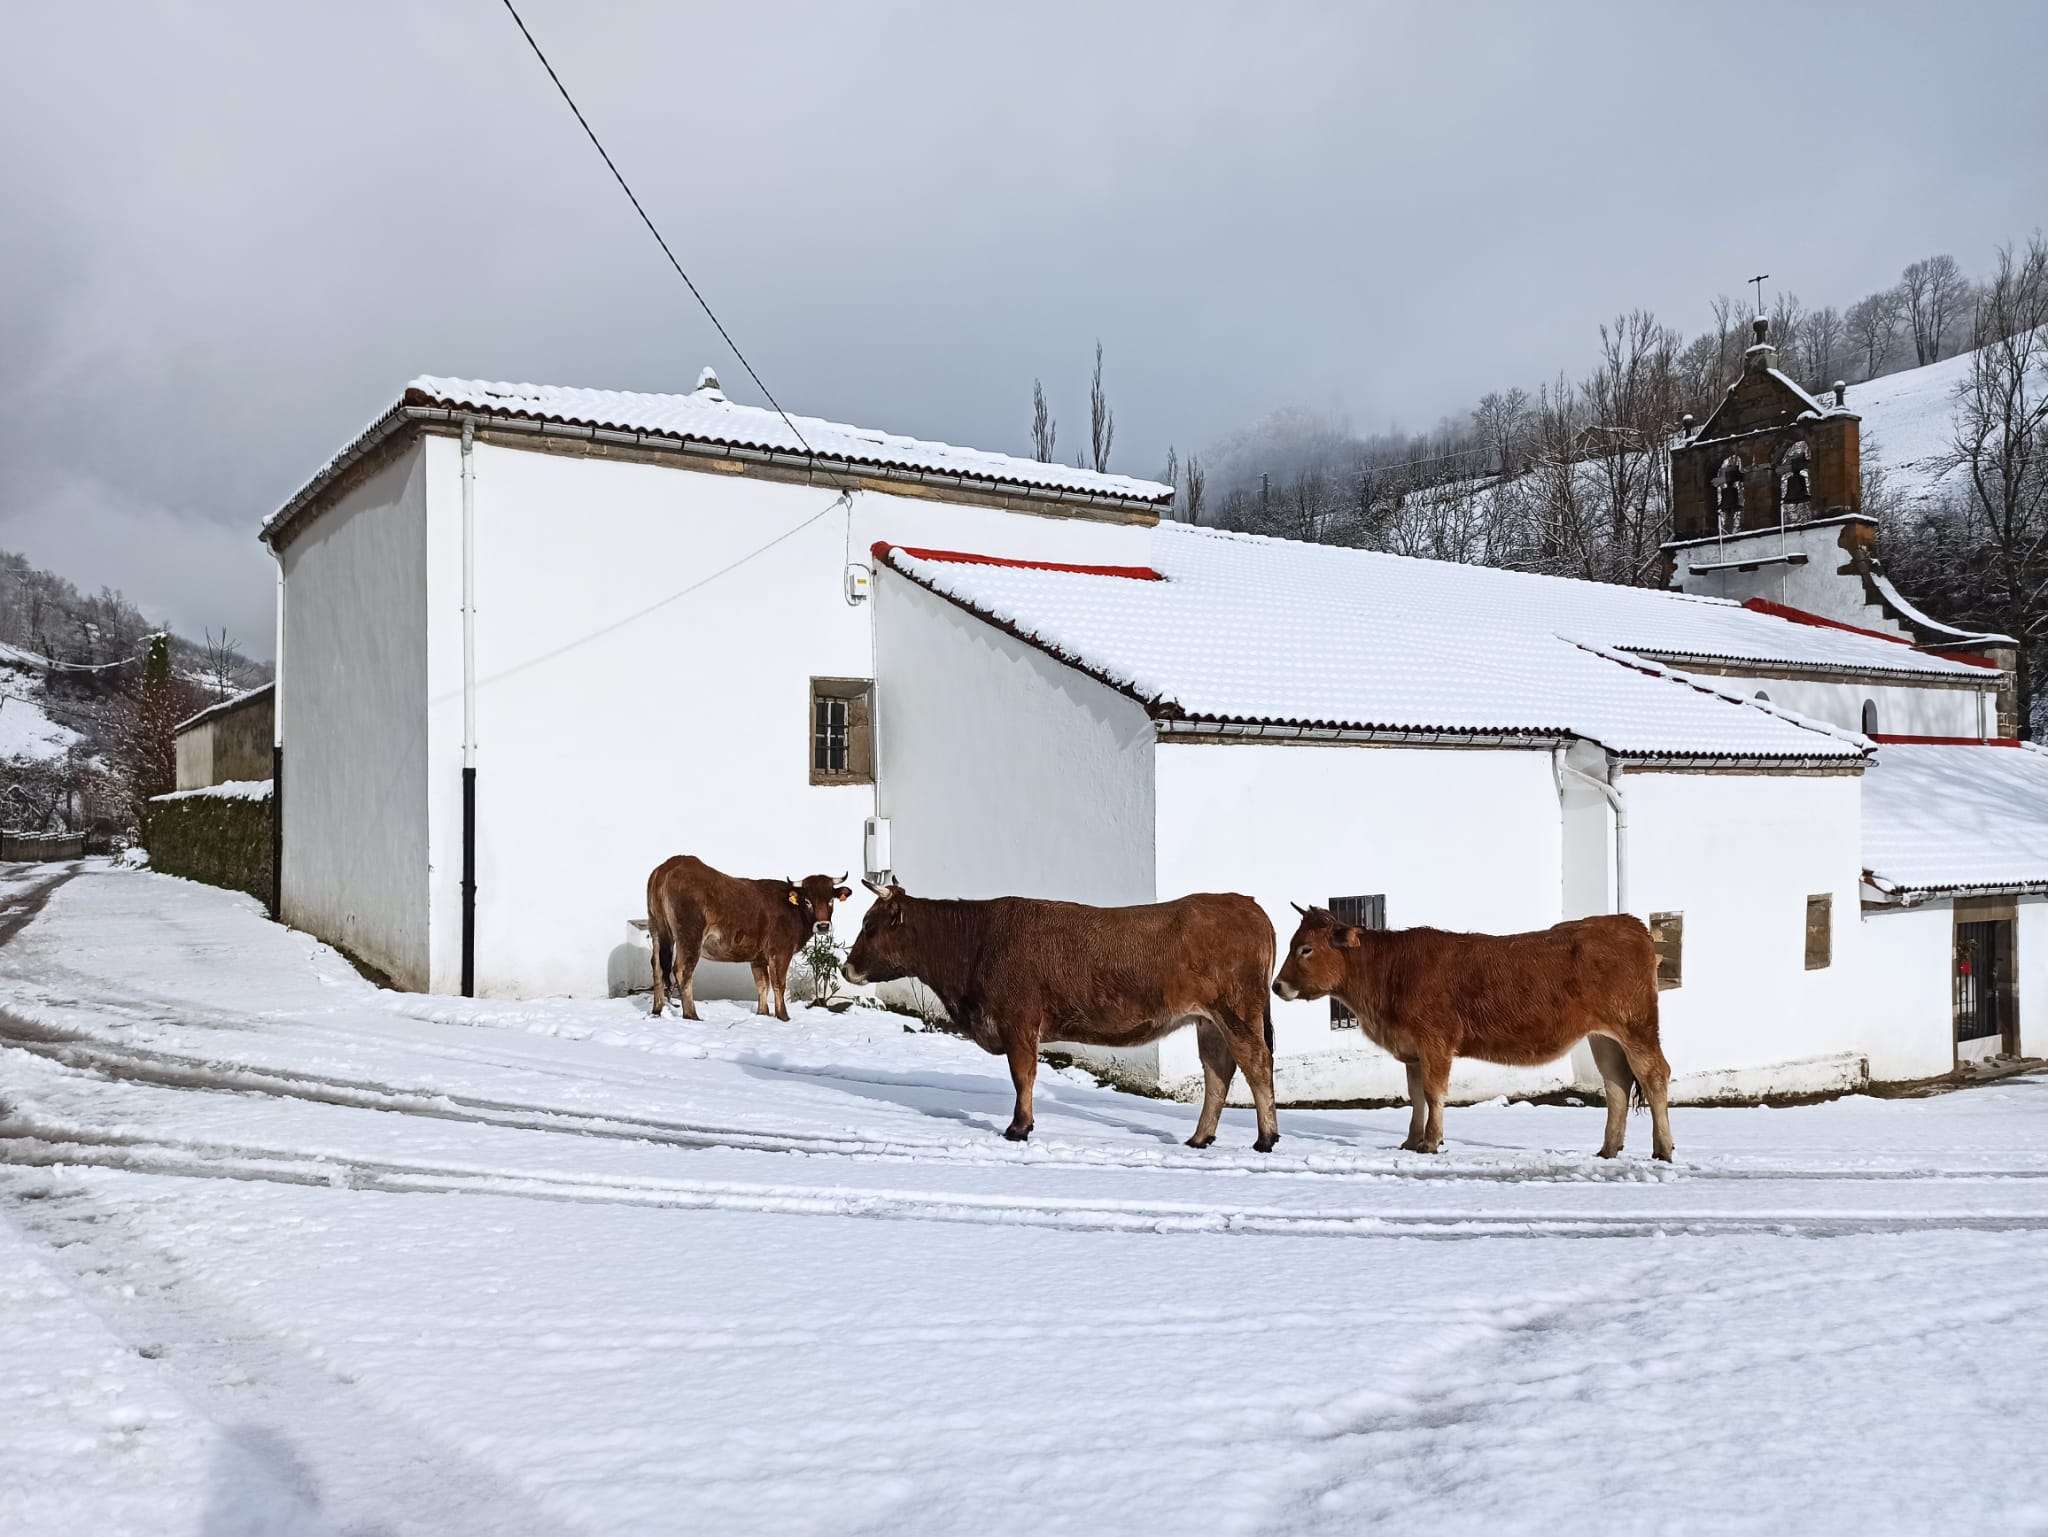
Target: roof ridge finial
{"x": 707, "y": 383}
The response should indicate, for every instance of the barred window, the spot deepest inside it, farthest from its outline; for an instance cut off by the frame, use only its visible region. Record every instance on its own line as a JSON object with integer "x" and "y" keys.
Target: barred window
{"x": 1361, "y": 913}
{"x": 1820, "y": 931}
{"x": 1667, "y": 933}
{"x": 842, "y": 747}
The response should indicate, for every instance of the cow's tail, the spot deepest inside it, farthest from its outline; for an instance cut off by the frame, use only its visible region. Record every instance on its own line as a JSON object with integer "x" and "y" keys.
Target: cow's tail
{"x": 1269, "y": 1027}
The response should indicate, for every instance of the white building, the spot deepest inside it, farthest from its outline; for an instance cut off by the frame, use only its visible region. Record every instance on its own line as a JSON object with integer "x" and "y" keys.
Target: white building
{"x": 678, "y": 639}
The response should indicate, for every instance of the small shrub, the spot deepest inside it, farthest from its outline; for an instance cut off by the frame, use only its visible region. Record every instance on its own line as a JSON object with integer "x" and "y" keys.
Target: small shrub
{"x": 814, "y": 978}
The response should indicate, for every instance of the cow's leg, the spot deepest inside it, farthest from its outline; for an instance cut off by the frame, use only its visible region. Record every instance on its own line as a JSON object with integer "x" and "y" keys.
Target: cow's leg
{"x": 1219, "y": 1066}
{"x": 1436, "y": 1082}
{"x": 1646, "y": 1058}
{"x": 764, "y": 990}
{"x": 689, "y": 945}
{"x": 1418, "y": 1109}
{"x": 778, "y": 978}
{"x": 1023, "y": 1055}
{"x": 663, "y": 953}
{"x": 1618, "y": 1079}
{"x": 1252, "y": 1041}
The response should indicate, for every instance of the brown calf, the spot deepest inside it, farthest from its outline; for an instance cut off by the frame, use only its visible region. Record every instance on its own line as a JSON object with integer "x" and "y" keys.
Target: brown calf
{"x": 1015, "y": 972}
{"x": 693, "y": 911}
{"x": 1520, "y": 999}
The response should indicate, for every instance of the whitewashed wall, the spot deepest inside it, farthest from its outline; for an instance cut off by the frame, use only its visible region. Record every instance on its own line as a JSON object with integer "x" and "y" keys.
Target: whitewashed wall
{"x": 1004, "y": 772}
{"x": 1901, "y": 710}
{"x": 1815, "y": 586}
{"x": 2031, "y": 944}
{"x": 1738, "y": 854}
{"x": 1455, "y": 838}
{"x": 355, "y": 723}
{"x": 618, "y": 722}
{"x": 1907, "y": 1007}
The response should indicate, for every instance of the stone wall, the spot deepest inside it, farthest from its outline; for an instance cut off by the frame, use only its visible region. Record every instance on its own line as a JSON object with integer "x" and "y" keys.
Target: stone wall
{"x": 221, "y": 836}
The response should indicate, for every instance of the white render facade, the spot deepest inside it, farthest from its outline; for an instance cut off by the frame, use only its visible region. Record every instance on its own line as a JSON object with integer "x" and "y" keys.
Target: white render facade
{"x": 649, "y": 615}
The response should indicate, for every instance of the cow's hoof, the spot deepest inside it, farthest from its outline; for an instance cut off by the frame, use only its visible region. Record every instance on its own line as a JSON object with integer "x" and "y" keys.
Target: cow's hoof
{"x": 1265, "y": 1144}
{"x": 1017, "y": 1134}
{"x": 1201, "y": 1141}
{"x": 1413, "y": 1146}
{"x": 1610, "y": 1152}
{"x": 1664, "y": 1156}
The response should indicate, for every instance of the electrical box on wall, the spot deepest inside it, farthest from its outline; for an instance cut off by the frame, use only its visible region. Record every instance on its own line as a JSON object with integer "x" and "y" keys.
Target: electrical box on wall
{"x": 876, "y": 857}
{"x": 859, "y": 579}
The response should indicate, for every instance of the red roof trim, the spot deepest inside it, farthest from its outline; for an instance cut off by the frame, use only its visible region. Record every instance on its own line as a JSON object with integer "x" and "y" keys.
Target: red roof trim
{"x": 1801, "y": 616}
{"x": 882, "y": 548}
{"x": 1945, "y": 741}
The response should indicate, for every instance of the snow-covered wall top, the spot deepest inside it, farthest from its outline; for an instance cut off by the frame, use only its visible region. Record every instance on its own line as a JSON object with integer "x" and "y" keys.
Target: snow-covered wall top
{"x": 231, "y": 790}
{"x": 1241, "y": 628}
{"x": 1956, "y": 818}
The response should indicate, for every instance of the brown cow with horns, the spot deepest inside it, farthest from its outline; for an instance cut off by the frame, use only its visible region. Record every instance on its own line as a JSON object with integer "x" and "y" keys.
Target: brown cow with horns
{"x": 1015, "y": 972}
{"x": 694, "y": 910}
{"x": 1427, "y": 996}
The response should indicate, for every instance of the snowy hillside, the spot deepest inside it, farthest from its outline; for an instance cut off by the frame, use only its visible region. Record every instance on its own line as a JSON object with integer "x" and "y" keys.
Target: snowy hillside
{"x": 26, "y": 729}
{"x": 1908, "y": 425}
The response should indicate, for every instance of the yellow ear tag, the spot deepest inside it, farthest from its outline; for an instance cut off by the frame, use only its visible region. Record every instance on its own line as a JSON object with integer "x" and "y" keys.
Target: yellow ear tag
{"x": 792, "y": 899}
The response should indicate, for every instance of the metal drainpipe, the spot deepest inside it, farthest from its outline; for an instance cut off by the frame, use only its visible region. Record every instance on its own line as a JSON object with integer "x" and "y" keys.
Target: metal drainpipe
{"x": 468, "y": 709}
{"x": 277, "y": 753}
{"x": 1610, "y": 787}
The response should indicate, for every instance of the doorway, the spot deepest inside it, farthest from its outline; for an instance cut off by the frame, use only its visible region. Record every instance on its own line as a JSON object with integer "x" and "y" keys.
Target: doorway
{"x": 1986, "y": 989}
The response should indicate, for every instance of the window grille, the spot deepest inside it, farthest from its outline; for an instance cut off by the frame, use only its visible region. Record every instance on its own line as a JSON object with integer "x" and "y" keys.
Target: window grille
{"x": 842, "y": 746}
{"x": 1361, "y": 913}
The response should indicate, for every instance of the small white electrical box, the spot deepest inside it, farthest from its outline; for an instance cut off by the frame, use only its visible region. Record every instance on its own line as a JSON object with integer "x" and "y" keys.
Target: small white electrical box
{"x": 859, "y": 579}
{"x": 879, "y": 866}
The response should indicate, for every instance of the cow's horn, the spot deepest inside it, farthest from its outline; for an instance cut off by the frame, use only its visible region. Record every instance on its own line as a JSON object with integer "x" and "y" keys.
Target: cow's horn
{"x": 877, "y": 890}
{"x": 842, "y": 877}
{"x": 1299, "y": 908}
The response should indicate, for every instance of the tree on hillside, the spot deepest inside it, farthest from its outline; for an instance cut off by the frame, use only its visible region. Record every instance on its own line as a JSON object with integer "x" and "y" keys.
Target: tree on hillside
{"x": 1872, "y": 331}
{"x": 1502, "y": 418}
{"x": 1931, "y": 292}
{"x": 1045, "y": 432}
{"x": 1101, "y": 420}
{"x": 147, "y": 751}
{"x": 1196, "y": 480}
{"x": 1820, "y": 348}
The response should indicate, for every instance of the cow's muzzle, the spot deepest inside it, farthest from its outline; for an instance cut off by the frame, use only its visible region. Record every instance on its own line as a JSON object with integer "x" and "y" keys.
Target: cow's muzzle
{"x": 822, "y": 928}
{"x": 858, "y": 979}
{"x": 1282, "y": 990}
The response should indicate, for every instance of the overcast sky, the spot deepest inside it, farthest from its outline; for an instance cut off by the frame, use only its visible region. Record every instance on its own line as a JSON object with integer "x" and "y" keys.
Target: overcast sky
{"x": 230, "y": 232}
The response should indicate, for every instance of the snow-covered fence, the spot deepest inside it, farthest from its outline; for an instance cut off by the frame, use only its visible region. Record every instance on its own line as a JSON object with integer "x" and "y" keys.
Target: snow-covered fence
{"x": 41, "y": 846}
{"x": 220, "y": 835}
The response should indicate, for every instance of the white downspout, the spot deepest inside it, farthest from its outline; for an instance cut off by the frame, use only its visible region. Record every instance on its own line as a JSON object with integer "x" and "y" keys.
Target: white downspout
{"x": 468, "y": 709}
{"x": 1610, "y": 787}
{"x": 468, "y": 595}
{"x": 277, "y": 749}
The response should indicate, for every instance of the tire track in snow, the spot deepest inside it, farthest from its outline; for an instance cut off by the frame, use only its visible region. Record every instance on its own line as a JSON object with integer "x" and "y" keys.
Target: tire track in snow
{"x": 32, "y": 1141}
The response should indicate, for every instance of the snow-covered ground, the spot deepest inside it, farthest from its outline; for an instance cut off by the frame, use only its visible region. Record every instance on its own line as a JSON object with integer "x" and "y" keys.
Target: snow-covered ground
{"x": 282, "y": 1253}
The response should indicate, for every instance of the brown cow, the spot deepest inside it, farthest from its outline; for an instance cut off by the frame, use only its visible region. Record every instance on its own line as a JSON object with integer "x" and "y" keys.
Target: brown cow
{"x": 694, "y": 910}
{"x": 1015, "y": 972}
{"x": 1427, "y": 996}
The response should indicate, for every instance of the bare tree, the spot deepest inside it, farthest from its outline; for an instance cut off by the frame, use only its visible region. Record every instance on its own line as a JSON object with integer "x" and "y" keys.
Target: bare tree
{"x": 2001, "y": 445}
{"x": 1101, "y": 420}
{"x": 1788, "y": 326}
{"x": 1931, "y": 292}
{"x": 1045, "y": 432}
{"x": 1872, "y": 330}
{"x": 1197, "y": 485}
{"x": 1820, "y": 348}
{"x": 1502, "y": 418}
{"x": 225, "y": 669}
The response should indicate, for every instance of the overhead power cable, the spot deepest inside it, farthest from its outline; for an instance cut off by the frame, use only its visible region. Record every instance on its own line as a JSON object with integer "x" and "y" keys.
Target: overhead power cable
{"x": 605, "y": 155}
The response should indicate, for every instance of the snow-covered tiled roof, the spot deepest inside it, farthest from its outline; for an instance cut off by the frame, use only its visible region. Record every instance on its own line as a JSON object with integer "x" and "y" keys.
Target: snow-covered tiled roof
{"x": 706, "y": 416}
{"x": 1245, "y": 629}
{"x": 1939, "y": 818}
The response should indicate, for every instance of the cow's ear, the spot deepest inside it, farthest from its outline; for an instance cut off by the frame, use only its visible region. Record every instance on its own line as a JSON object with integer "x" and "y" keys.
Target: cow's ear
{"x": 841, "y": 893}
{"x": 1344, "y": 937}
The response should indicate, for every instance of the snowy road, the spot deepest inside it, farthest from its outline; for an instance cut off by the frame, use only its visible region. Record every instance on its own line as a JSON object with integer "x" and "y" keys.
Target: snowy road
{"x": 285, "y": 1253}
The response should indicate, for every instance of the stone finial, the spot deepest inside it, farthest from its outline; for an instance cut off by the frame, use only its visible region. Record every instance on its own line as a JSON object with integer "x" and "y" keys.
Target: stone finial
{"x": 707, "y": 382}
{"x": 1841, "y": 392}
{"x": 1760, "y": 328}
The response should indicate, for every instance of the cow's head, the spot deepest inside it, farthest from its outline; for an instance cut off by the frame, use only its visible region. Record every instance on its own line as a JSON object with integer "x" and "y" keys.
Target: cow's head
{"x": 813, "y": 897}
{"x": 1314, "y": 967}
{"x": 881, "y": 951}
